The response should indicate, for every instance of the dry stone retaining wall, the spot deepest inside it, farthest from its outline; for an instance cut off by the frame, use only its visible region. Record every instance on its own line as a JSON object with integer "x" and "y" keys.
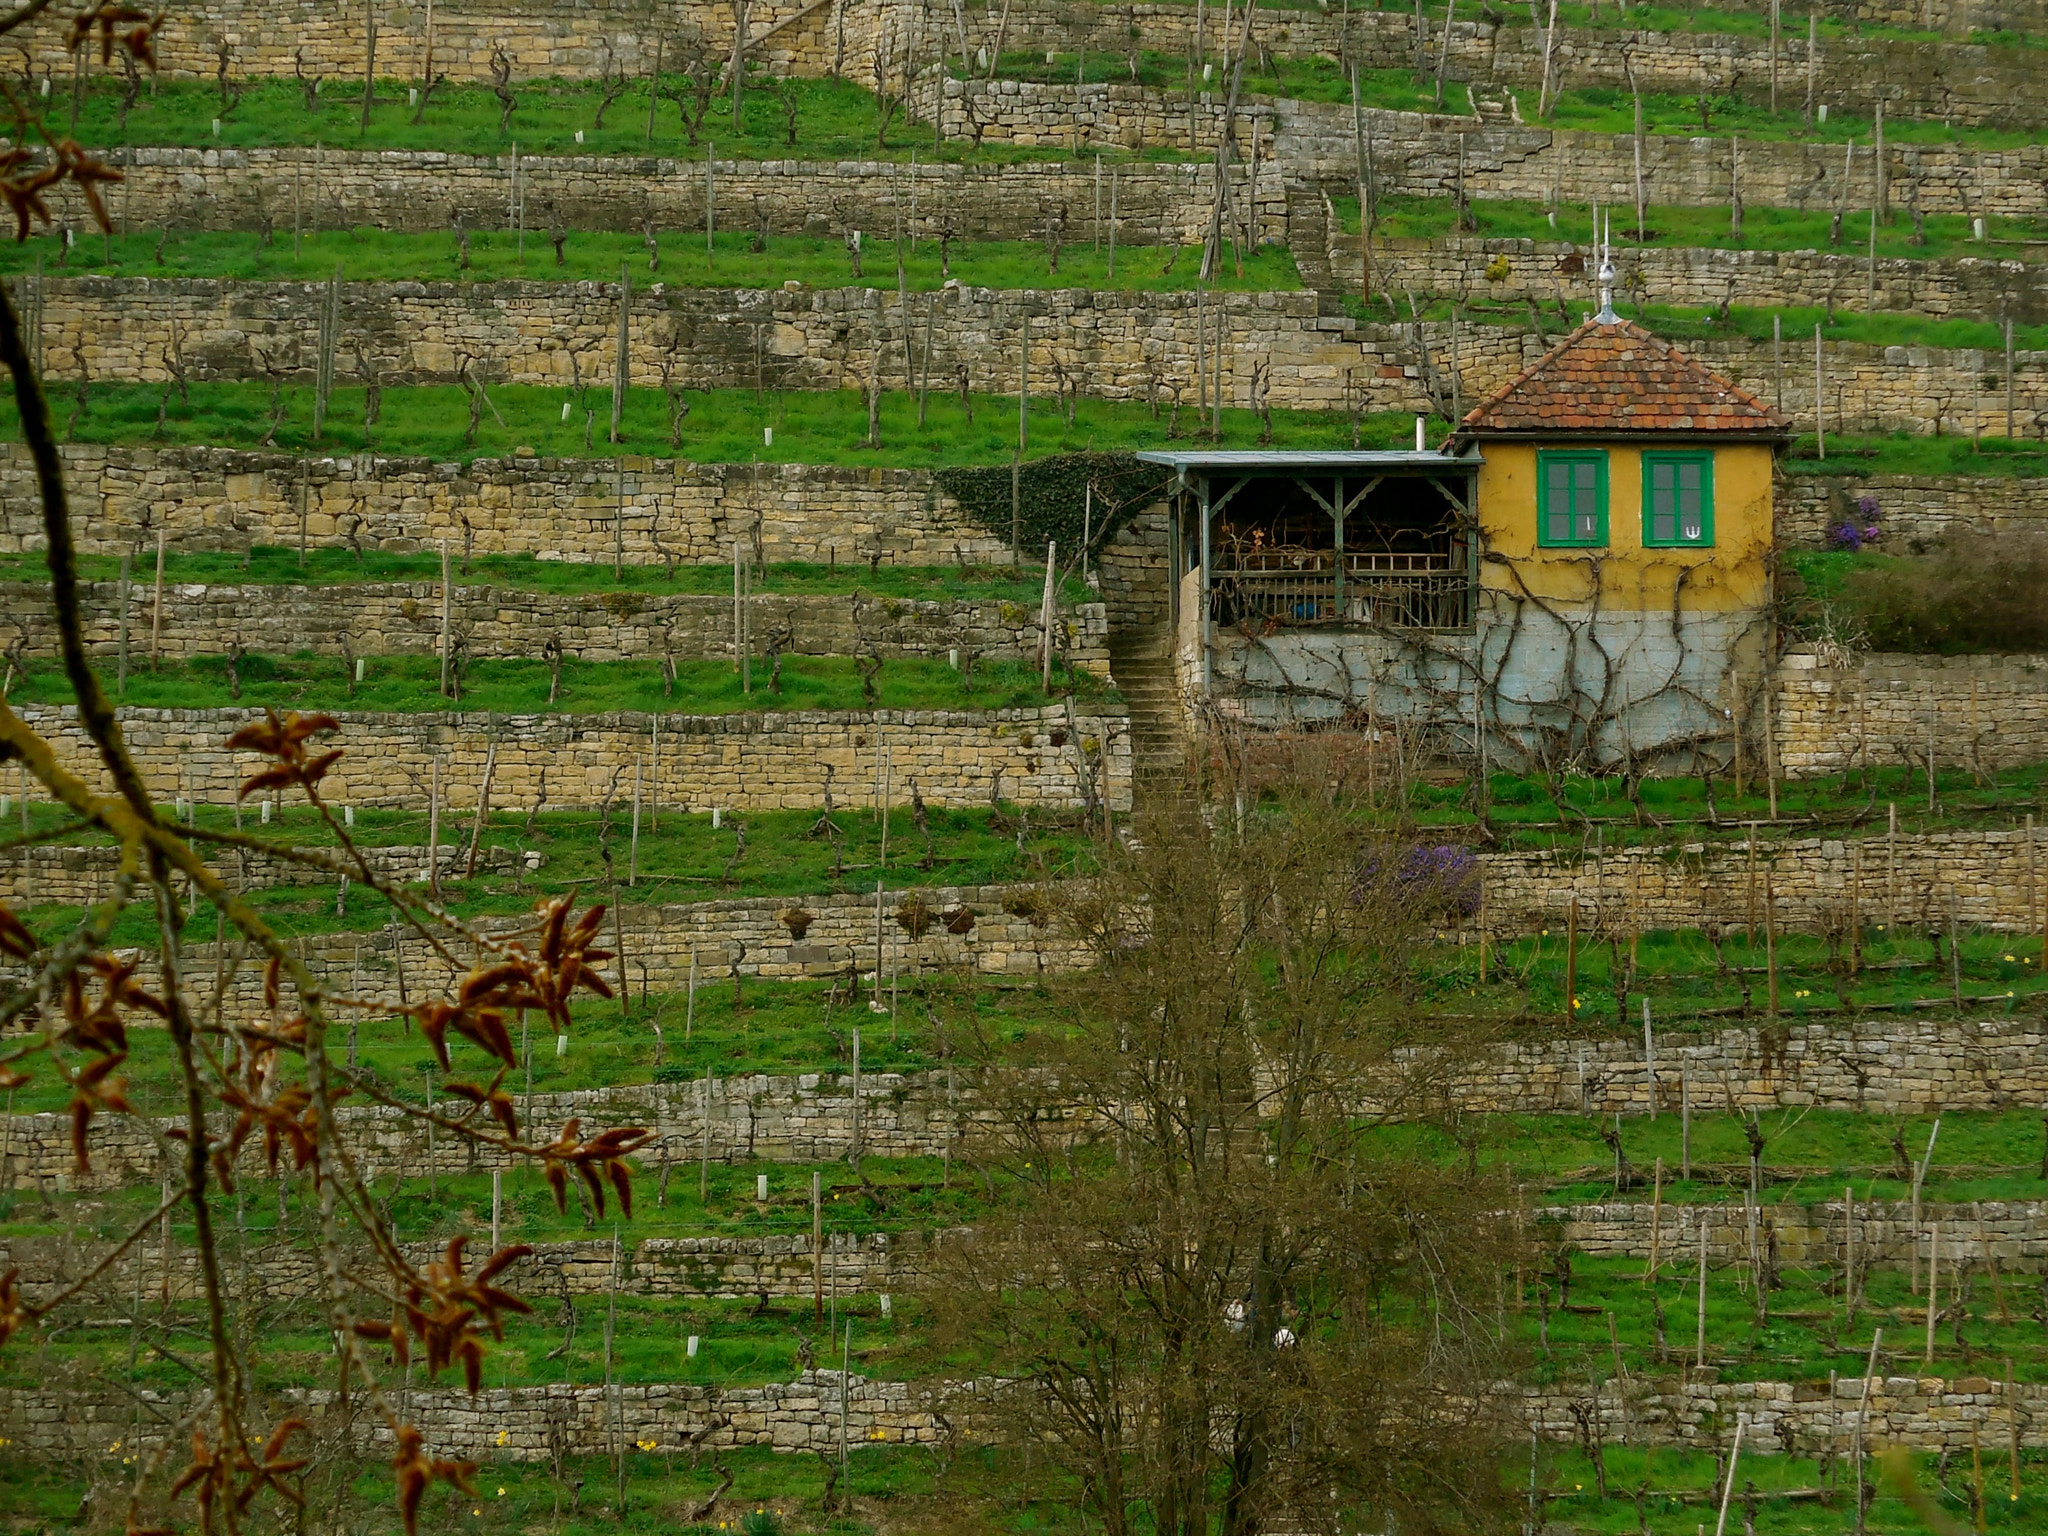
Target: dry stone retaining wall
{"x": 724, "y": 1267}
{"x": 1677, "y": 886}
{"x": 1002, "y": 930}
{"x": 713, "y": 1267}
{"x": 560, "y": 39}
{"x": 213, "y": 498}
{"x": 995, "y": 930}
{"x": 1419, "y": 155}
{"x": 1116, "y": 345}
{"x": 77, "y": 876}
{"x": 1953, "y": 18}
{"x": 1836, "y": 710}
{"x": 1909, "y": 506}
{"x": 2013, "y": 1232}
{"x": 557, "y": 509}
{"x": 1429, "y": 153}
{"x": 1523, "y": 161}
{"x": 1968, "y": 83}
{"x": 699, "y": 762}
{"x": 1697, "y": 1410}
{"x": 1702, "y": 277}
{"x": 1817, "y": 881}
{"x": 525, "y": 1423}
{"x": 804, "y": 1119}
{"x": 533, "y": 1423}
{"x": 1123, "y": 345}
{"x": 1910, "y": 1066}
{"x": 1888, "y": 1068}
{"x": 404, "y": 618}
{"x": 418, "y": 190}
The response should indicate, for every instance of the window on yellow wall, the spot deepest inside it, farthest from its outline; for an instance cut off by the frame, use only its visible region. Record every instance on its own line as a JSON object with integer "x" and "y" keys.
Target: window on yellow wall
{"x": 1678, "y": 499}
{"x": 1571, "y": 499}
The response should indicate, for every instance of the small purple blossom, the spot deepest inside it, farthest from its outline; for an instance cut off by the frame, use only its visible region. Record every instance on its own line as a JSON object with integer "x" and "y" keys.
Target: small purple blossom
{"x": 1858, "y": 532}
{"x": 1442, "y": 877}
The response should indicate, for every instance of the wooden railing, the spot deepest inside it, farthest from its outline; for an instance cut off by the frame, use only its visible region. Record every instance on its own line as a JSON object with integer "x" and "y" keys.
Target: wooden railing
{"x": 1398, "y": 591}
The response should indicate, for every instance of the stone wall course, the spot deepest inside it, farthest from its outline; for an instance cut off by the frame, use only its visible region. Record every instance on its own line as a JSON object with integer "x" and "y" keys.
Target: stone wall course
{"x": 404, "y": 618}
{"x": 1910, "y": 507}
{"x": 731, "y": 762}
{"x": 1896, "y": 1066}
{"x": 533, "y": 1423}
{"x": 1125, "y": 345}
{"x": 1678, "y": 885}
{"x": 1834, "y": 710}
{"x": 556, "y": 509}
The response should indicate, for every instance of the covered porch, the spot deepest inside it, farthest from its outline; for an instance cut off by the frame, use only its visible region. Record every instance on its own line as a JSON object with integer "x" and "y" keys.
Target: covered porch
{"x": 1266, "y": 542}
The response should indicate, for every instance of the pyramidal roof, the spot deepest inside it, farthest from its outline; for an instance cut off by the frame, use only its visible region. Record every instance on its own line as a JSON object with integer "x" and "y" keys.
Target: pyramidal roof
{"x": 1620, "y": 378}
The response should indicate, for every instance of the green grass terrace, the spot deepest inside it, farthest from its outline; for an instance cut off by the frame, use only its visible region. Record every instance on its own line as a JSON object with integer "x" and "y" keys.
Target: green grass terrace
{"x": 273, "y": 565}
{"x": 724, "y": 426}
{"x": 679, "y": 259}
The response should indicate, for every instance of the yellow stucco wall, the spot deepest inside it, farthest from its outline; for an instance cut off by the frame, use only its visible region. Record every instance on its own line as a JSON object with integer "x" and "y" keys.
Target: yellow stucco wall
{"x": 1731, "y": 575}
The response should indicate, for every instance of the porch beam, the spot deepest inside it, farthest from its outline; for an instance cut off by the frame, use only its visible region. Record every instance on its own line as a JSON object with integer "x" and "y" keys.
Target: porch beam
{"x": 1444, "y": 490}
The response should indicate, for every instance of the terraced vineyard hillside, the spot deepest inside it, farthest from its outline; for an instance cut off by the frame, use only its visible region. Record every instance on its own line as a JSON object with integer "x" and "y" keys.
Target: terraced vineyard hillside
{"x": 905, "y": 1046}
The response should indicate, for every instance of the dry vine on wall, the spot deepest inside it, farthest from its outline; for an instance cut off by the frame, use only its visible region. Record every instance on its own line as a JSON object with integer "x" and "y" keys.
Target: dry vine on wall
{"x": 1555, "y": 684}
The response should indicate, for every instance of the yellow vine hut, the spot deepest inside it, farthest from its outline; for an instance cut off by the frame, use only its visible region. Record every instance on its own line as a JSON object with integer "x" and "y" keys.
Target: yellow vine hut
{"x": 1625, "y": 526}
{"x": 1580, "y": 573}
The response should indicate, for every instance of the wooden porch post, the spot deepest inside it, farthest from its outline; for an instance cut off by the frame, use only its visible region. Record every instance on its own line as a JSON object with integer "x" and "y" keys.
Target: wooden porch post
{"x": 1208, "y": 615}
{"x": 1338, "y": 509}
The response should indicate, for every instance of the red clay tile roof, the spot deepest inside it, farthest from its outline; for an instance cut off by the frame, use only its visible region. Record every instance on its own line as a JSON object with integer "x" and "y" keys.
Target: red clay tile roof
{"x": 1620, "y": 378}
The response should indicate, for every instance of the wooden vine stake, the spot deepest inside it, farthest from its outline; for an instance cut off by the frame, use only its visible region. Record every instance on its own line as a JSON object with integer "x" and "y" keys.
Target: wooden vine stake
{"x": 2012, "y": 1427}
{"x": 1483, "y": 936}
{"x": 1045, "y": 620}
{"x": 1856, "y": 909}
{"x": 156, "y": 608}
{"x": 1700, "y": 1316}
{"x": 329, "y": 337}
{"x": 1728, "y": 1487}
{"x": 447, "y": 621}
{"x": 704, "y": 1145}
{"x": 1919, "y": 1180}
{"x": 1933, "y": 1287}
{"x": 483, "y": 812}
{"x": 1771, "y": 944}
{"x": 1685, "y": 1121}
{"x": 619, "y": 361}
{"x": 1955, "y": 954}
{"x": 1862, "y": 1417}
{"x": 1571, "y": 959}
{"x": 1751, "y": 884}
{"x": 1649, "y": 1054}
{"x": 2040, "y": 907}
{"x": 1849, "y": 1253}
{"x": 1770, "y": 755}
{"x": 369, "y": 62}
{"x": 1656, "y": 1224}
{"x": 434, "y": 829}
{"x": 633, "y": 857}
{"x": 121, "y": 672}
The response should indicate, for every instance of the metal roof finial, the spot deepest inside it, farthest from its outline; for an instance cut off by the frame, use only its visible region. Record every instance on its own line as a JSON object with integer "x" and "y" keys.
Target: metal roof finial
{"x": 1607, "y": 315}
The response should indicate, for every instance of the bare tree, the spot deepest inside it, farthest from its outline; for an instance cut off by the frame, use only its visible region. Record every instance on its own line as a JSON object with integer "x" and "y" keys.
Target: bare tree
{"x": 1224, "y": 1304}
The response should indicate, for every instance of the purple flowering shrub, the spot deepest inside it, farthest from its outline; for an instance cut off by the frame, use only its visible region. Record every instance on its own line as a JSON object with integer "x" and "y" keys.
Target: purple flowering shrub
{"x": 1439, "y": 878}
{"x": 1858, "y": 532}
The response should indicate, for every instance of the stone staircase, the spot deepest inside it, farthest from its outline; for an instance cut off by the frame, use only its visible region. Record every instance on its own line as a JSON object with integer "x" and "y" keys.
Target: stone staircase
{"x": 1141, "y": 663}
{"x": 1308, "y": 235}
